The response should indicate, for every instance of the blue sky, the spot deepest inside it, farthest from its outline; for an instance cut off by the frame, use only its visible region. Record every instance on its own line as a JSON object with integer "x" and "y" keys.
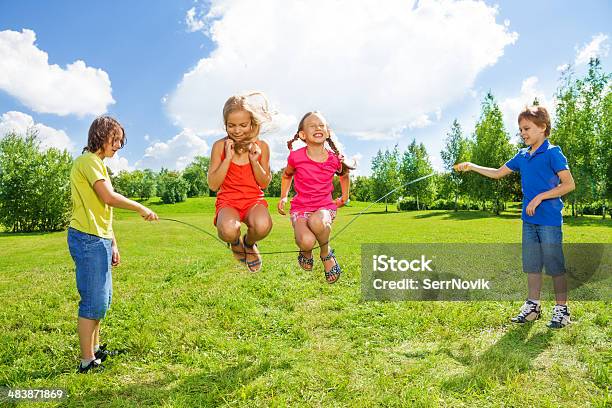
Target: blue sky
{"x": 382, "y": 73}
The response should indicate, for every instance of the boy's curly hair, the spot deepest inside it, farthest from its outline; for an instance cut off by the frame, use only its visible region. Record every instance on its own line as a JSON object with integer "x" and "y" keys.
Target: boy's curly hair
{"x": 103, "y": 129}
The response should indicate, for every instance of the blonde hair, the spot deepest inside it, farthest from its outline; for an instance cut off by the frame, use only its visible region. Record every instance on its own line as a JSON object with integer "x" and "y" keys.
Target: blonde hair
{"x": 345, "y": 167}
{"x": 259, "y": 112}
{"x": 538, "y": 115}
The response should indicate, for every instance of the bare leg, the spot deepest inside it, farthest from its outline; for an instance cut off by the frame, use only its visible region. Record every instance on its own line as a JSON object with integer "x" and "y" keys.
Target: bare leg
{"x": 320, "y": 225}
{"x": 87, "y": 329}
{"x": 534, "y": 284}
{"x": 259, "y": 224}
{"x": 228, "y": 229}
{"x": 560, "y": 285}
{"x": 97, "y": 335}
{"x": 305, "y": 240}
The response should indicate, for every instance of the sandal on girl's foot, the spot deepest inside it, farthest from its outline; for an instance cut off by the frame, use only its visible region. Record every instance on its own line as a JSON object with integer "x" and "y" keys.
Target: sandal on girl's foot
{"x": 334, "y": 272}
{"x": 237, "y": 249}
{"x": 305, "y": 262}
{"x": 254, "y": 266}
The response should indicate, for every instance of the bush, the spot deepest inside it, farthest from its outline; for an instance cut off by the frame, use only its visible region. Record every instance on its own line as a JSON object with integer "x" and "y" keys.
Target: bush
{"x": 34, "y": 185}
{"x": 172, "y": 187}
{"x": 410, "y": 204}
{"x": 596, "y": 208}
{"x": 195, "y": 175}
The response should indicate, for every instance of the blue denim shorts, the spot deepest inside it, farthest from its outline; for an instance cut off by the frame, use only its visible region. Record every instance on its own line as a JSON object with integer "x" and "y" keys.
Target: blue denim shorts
{"x": 543, "y": 247}
{"x": 92, "y": 257}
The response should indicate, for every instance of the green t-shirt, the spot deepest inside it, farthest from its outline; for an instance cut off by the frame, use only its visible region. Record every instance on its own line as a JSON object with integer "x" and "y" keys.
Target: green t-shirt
{"x": 89, "y": 213}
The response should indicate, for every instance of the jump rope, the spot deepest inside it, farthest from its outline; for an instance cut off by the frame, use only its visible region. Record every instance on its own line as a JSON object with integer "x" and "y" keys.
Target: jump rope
{"x": 225, "y": 244}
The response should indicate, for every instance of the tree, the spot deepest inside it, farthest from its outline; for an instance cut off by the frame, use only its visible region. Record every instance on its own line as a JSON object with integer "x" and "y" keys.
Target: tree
{"x": 195, "y": 175}
{"x": 582, "y": 131}
{"x": 385, "y": 175}
{"x": 34, "y": 185}
{"x": 125, "y": 183}
{"x": 274, "y": 188}
{"x": 456, "y": 150}
{"x": 361, "y": 188}
{"x": 492, "y": 148}
{"x": 415, "y": 164}
{"x": 172, "y": 187}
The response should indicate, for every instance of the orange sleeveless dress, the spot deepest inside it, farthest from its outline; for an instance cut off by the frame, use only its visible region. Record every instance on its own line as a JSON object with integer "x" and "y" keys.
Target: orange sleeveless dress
{"x": 239, "y": 190}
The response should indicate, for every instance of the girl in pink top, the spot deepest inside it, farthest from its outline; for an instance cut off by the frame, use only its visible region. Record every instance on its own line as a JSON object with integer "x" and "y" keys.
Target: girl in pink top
{"x": 312, "y": 209}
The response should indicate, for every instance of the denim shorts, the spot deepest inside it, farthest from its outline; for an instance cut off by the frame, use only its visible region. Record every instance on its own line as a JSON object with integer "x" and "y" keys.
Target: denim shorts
{"x": 92, "y": 257}
{"x": 542, "y": 247}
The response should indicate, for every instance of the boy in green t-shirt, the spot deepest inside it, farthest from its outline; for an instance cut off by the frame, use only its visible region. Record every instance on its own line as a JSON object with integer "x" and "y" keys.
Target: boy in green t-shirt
{"x": 91, "y": 240}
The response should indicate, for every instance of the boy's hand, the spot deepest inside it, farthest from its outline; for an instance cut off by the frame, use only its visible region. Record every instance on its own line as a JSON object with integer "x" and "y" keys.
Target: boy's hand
{"x": 533, "y": 204}
{"x": 465, "y": 166}
{"x": 281, "y": 206}
{"x": 229, "y": 149}
{"x": 339, "y": 202}
{"x": 149, "y": 215}
{"x": 116, "y": 258}
{"x": 254, "y": 152}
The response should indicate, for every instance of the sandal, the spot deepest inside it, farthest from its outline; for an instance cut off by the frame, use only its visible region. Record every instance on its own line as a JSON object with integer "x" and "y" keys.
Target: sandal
{"x": 237, "y": 253}
{"x": 304, "y": 262}
{"x": 254, "y": 266}
{"x": 334, "y": 272}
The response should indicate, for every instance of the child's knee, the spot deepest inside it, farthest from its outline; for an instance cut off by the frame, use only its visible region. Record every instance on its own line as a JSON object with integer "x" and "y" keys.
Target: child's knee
{"x": 262, "y": 226}
{"x": 228, "y": 230}
{"x": 305, "y": 241}
{"x": 317, "y": 224}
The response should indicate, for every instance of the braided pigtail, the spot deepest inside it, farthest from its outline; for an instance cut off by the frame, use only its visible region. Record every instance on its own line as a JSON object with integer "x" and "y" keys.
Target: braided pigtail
{"x": 290, "y": 142}
{"x": 345, "y": 167}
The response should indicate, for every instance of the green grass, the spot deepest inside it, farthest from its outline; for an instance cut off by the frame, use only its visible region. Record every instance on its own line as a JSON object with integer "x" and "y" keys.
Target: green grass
{"x": 199, "y": 330}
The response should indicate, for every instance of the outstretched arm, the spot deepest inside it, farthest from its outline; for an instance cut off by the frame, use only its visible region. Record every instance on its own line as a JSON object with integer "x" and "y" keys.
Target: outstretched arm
{"x": 490, "y": 172}
{"x": 105, "y": 191}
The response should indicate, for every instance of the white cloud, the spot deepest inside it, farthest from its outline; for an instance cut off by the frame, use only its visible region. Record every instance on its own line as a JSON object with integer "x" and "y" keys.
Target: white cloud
{"x": 175, "y": 154}
{"x": 562, "y": 67}
{"x": 511, "y": 107}
{"x": 598, "y": 47}
{"x": 26, "y": 74}
{"x": 194, "y": 21}
{"x": 118, "y": 164}
{"x": 20, "y": 123}
{"x": 371, "y": 70}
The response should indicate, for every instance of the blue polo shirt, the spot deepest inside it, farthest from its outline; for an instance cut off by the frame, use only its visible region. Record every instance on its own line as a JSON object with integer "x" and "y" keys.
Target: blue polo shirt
{"x": 539, "y": 174}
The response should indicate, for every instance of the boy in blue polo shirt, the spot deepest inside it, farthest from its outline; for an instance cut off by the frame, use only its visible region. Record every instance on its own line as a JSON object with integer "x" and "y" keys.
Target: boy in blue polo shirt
{"x": 545, "y": 177}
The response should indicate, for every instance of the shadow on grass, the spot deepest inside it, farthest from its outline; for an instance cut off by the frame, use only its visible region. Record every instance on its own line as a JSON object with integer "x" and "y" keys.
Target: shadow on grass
{"x": 28, "y": 234}
{"x": 468, "y": 215}
{"x": 511, "y": 355}
{"x": 204, "y": 389}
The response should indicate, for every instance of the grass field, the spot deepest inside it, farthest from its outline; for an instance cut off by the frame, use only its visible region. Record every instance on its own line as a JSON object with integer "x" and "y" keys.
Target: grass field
{"x": 199, "y": 330}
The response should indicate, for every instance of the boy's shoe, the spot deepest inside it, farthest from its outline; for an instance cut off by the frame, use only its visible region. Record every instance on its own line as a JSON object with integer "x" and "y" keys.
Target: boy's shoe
{"x": 94, "y": 366}
{"x": 560, "y": 317}
{"x": 530, "y": 312}
{"x": 103, "y": 353}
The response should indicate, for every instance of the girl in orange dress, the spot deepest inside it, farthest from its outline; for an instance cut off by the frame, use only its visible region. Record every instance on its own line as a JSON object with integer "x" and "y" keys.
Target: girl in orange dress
{"x": 239, "y": 171}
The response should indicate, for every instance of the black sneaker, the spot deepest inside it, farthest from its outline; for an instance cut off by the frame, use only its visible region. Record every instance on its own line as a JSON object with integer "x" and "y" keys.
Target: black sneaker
{"x": 103, "y": 353}
{"x": 560, "y": 317}
{"x": 94, "y": 366}
{"x": 530, "y": 312}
